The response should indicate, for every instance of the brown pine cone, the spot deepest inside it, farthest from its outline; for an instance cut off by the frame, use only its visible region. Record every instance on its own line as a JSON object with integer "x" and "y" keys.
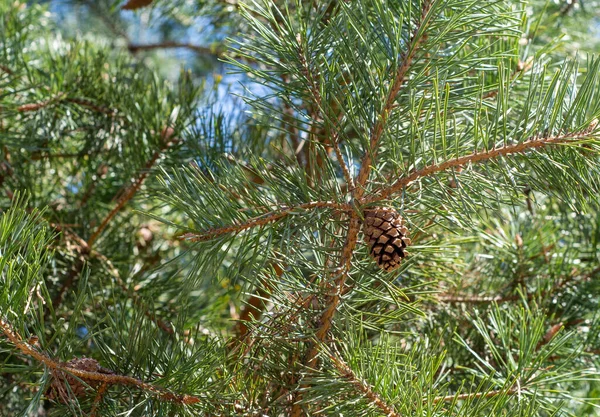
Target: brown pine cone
{"x": 64, "y": 385}
{"x": 386, "y": 237}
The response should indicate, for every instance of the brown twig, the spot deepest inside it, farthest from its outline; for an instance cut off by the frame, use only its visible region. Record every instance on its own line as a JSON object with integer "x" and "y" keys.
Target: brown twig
{"x": 68, "y": 281}
{"x": 474, "y": 299}
{"x": 29, "y": 107}
{"x": 84, "y": 249}
{"x": 262, "y": 220}
{"x": 130, "y": 192}
{"x": 362, "y": 386}
{"x": 133, "y": 48}
{"x": 91, "y": 105}
{"x": 474, "y": 396}
{"x": 98, "y": 399}
{"x": 5, "y": 69}
{"x": 107, "y": 378}
{"x": 475, "y": 157}
{"x": 255, "y": 305}
{"x": 316, "y": 94}
{"x": 522, "y": 67}
{"x": 570, "y": 4}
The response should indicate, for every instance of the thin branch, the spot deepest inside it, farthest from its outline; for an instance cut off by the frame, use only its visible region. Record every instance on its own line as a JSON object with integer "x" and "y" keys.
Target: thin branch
{"x": 362, "y": 386}
{"x": 134, "y": 188}
{"x": 29, "y": 107}
{"x": 570, "y": 4}
{"x": 354, "y": 224}
{"x": 98, "y": 399}
{"x": 107, "y": 378}
{"x": 316, "y": 93}
{"x": 475, "y": 157}
{"x": 91, "y": 105}
{"x": 69, "y": 280}
{"x": 400, "y": 77}
{"x": 262, "y": 220}
{"x": 474, "y": 396}
{"x": 86, "y": 252}
{"x": 522, "y": 67}
{"x": 474, "y": 299}
{"x": 5, "y": 69}
{"x": 133, "y": 48}
{"x": 255, "y": 305}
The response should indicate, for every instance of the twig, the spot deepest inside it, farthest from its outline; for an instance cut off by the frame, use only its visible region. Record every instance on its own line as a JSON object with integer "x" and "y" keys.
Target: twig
{"x": 362, "y": 386}
{"x": 91, "y": 105}
{"x": 5, "y": 69}
{"x": 111, "y": 379}
{"x": 67, "y": 283}
{"x": 474, "y": 299}
{"x": 521, "y": 68}
{"x": 85, "y": 249}
{"x": 98, "y": 398}
{"x": 29, "y": 107}
{"x": 354, "y": 225}
{"x": 255, "y": 304}
{"x": 133, "y": 189}
{"x": 133, "y": 48}
{"x": 262, "y": 220}
{"x": 474, "y": 396}
{"x": 475, "y": 157}
{"x": 570, "y": 4}
{"x": 380, "y": 124}
{"x": 316, "y": 94}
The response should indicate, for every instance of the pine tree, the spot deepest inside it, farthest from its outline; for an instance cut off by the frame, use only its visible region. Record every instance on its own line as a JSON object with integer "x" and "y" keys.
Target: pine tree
{"x": 164, "y": 253}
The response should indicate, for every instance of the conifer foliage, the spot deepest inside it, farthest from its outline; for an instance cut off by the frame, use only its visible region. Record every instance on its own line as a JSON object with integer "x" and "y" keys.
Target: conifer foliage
{"x": 400, "y": 219}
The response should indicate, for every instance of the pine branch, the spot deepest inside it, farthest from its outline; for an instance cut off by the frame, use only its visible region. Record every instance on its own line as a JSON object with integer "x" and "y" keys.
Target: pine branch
{"x": 534, "y": 142}
{"x": 5, "y": 69}
{"x": 168, "y": 140}
{"x": 262, "y": 220}
{"x": 343, "y": 270}
{"x": 474, "y": 299}
{"x": 107, "y": 378}
{"x": 362, "y": 386}
{"x": 475, "y": 395}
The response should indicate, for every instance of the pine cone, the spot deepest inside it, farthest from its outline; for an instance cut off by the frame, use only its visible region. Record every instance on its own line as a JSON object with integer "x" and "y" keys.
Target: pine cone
{"x": 386, "y": 237}
{"x": 58, "y": 388}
